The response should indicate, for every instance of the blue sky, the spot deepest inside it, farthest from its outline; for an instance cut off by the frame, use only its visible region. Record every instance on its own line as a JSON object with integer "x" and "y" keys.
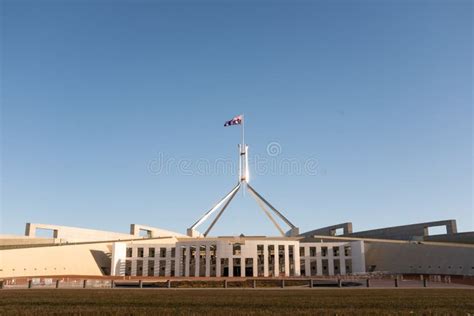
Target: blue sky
{"x": 377, "y": 95}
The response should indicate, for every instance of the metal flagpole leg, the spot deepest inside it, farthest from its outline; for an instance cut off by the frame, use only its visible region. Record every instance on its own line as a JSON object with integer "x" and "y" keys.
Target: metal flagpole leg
{"x": 262, "y": 206}
{"x": 271, "y": 207}
{"x": 220, "y": 213}
{"x": 212, "y": 210}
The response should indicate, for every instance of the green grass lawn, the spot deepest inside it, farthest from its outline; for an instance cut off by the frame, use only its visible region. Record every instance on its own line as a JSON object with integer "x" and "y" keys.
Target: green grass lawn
{"x": 233, "y": 302}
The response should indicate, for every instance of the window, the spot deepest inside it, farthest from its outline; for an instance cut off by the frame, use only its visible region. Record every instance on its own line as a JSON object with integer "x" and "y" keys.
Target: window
{"x": 271, "y": 250}
{"x": 172, "y": 272}
{"x": 212, "y": 250}
{"x": 324, "y": 251}
{"x": 347, "y": 251}
{"x": 173, "y": 252}
{"x": 312, "y": 251}
{"x": 302, "y": 251}
{"x": 313, "y": 267}
{"x": 335, "y": 251}
{"x": 281, "y": 258}
{"x": 236, "y": 249}
{"x": 302, "y": 267}
{"x": 151, "y": 252}
{"x": 162, "y": 252}
{"x": 271, "y": 260}
{"x": 336, "y": 265}
{"x": 162, "y": 268}
{"x": 281, "y": 250}
{"x": 325, "y": 267}
{"x": 129, "y": 252}
{"x": 348, "y": 266}
{"x": 140, "y": 253}
{"x": 128, "y": 268}
{"x": 139, "y": 267}
{"x": 151, "y": 268}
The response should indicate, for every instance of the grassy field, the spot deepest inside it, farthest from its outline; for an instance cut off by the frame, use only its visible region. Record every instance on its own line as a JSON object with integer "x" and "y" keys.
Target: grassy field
{"x": 237, "y": 302}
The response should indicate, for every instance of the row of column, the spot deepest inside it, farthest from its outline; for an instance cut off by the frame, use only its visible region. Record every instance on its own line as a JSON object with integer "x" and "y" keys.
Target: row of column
{"x": 197, "y": 260}
{"x": 253, "y": 255}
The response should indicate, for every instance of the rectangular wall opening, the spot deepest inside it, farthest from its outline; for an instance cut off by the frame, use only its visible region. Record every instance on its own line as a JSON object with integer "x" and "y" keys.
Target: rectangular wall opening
{"x": 46, "y": 233}
{"x": 145, "y": 233}
{"x": 339, "y": 231}
{"x": 437, "y": 230}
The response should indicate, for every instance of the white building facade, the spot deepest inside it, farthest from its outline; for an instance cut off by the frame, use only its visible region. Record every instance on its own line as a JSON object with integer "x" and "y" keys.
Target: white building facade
{"x": 237, "y": 257}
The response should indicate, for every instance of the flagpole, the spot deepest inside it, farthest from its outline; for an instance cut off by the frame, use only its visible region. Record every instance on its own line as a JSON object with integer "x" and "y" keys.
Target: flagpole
{"x": 243, "y": 130}
{"x": 244, "y": 150}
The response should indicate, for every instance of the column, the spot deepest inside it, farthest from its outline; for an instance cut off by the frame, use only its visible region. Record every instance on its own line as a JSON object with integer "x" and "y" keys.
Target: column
{"x": 358, "y": 256}
{"x": 168, "y": 262}
{"x": 242, "y": 266}
{"x": 296, "y": 254}
{"x": 208, "y": 260}
{"x": 156, "y": 266}
{"x": 255, "y": 264}
{"x": 197, "y": 260}
{"x": 134, "y": 267}
{"x": 231, "y": 266}
{"x": 287, "y": 260}
{"x": 330, "y": 261}
{"x": 265, "y": 260}
{"x": 319, "y": 261}
{"x": 119, "y": 255}
{"x": 145, "y": 267}
{"x": 218, "y": 264}
{"x": 276, "y": 269}
{"x": 342, "y": 260}
{"x": 177, "y": 261}
{"x": 307, "y": 266}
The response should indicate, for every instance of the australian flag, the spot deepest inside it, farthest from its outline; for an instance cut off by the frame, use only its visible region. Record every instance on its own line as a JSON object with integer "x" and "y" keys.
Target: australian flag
{"x": 235, "y": 121}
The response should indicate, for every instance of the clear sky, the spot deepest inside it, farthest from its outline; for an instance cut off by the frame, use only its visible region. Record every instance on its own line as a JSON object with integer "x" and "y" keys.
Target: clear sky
{"x": 96, "y": 96}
